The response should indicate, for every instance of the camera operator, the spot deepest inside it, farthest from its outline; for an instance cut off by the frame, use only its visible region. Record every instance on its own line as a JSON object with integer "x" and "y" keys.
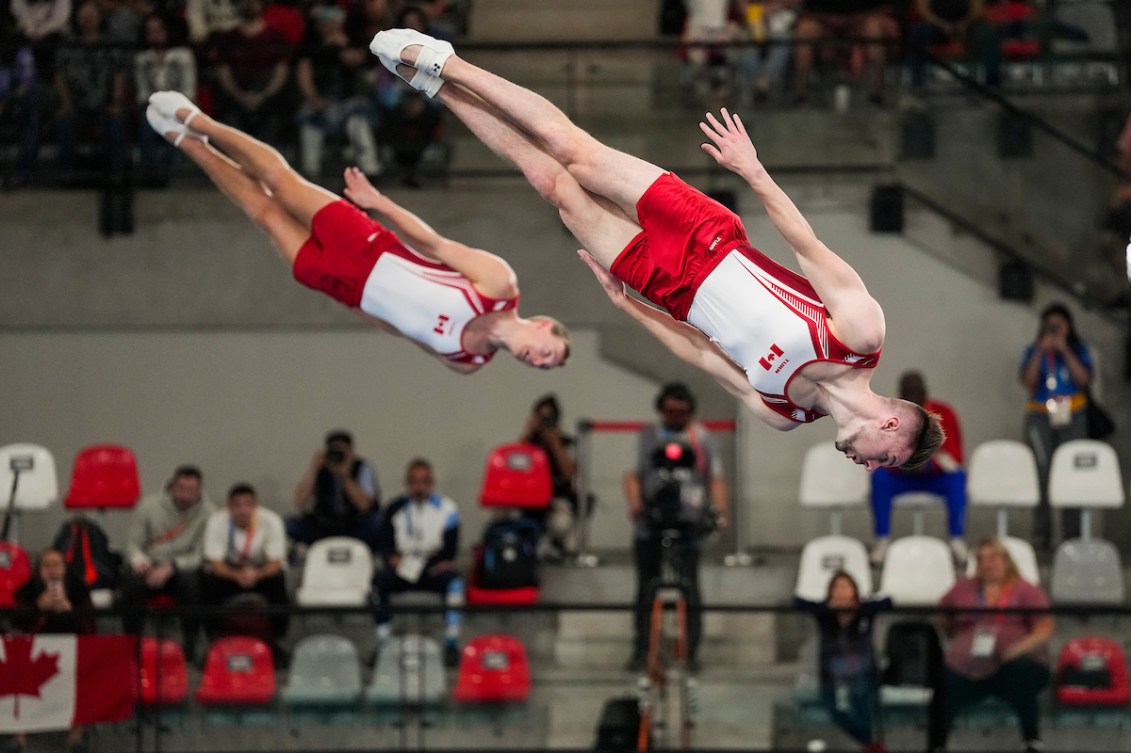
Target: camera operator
{"x": 677, "y": 491}
{"x": 542, "y": 429}
{"x": 337, "y": 496}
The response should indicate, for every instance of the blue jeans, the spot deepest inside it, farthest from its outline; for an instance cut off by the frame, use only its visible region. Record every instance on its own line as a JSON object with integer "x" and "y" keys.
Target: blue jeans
{"x": 886, "y": 485}
{"x": 854, "y": 709}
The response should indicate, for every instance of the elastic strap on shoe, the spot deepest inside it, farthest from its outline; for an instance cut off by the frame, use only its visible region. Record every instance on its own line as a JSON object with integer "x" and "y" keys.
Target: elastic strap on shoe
{"x": 426, "y": 82}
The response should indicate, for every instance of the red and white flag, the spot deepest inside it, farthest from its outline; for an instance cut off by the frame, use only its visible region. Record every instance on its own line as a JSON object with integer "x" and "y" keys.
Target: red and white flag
{"x": 53, "y": 682}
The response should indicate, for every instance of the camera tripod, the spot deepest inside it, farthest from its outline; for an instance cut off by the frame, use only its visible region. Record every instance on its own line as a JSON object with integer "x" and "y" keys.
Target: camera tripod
{"x": 667, "y": 689}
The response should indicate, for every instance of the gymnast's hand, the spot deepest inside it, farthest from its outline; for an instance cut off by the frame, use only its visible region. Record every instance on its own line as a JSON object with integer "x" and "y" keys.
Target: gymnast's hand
{"x": 360, "y": 191}
{"x": 613, "y": 287}
{"x": 731, "y": 146}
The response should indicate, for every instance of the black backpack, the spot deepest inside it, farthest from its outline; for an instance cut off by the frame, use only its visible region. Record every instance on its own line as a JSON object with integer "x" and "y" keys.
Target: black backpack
{"x": 509, "y": 556}
{"x": 87, "y": 552}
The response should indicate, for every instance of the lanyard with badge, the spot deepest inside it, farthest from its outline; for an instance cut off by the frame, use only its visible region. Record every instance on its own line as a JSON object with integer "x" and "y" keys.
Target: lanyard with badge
{"x": 411, "y": 565}
{"x": 985, "y": 636}
{"x": 245, "y": 553}
{"x": 1059, "y": 407}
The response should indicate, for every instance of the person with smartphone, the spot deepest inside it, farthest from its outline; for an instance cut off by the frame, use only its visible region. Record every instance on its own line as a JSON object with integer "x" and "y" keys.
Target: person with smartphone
{"x": 54, "y": 601}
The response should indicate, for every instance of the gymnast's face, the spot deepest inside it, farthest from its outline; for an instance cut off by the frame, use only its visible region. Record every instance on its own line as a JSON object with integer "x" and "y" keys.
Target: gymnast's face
{"x": 541, "y": 348}
{"x": 876, "y": 447}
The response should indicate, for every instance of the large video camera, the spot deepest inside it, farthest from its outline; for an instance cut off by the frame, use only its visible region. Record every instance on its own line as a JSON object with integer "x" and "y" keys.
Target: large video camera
{"x": 679, "y": 501}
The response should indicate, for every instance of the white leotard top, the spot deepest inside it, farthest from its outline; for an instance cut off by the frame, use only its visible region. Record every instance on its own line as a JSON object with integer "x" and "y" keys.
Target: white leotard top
{"x": 772, "y": 323}
{"x": 428, "y": 302}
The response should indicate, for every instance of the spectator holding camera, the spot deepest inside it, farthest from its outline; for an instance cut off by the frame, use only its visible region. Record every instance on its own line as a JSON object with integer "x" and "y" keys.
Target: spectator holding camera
{"x": 337, "y": 496}
{"x": 676, "y": 492}
{"x": 542, "y": 429}
{"x": 1056, "y": 371}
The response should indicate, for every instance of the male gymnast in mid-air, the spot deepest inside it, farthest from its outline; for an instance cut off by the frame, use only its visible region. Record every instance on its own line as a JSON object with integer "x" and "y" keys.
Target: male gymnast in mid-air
{"x": 792, "y": 348}
{"x": 457, "y": 303}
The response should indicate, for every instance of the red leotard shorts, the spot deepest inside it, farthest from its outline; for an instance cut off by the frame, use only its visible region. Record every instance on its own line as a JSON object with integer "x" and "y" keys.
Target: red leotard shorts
{"x": 343, "y": 246}
{"x": 684, "y": 236}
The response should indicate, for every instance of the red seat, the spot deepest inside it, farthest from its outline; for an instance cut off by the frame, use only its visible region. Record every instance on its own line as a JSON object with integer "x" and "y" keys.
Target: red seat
{"x": 496, "y": 596}
{"x": 239, "y": 671}
{"x": 1092, "y": 671}
{"x": 517, "y": 475}
{"x": 105, "y": 475}
{"x": 1021, "y": 49}
{"x": 15, "y": 569}
{"x": 164, "y": 679}
{"x": 493, "y": 669}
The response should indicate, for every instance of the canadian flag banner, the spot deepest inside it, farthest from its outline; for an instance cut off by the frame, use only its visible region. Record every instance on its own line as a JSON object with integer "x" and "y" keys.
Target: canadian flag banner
{"x": 53, "y": 682}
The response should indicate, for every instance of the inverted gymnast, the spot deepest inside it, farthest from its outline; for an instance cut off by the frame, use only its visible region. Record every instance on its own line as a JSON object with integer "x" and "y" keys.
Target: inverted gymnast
{"x": 792, "y": 348}
{"x": 457, "y": 303}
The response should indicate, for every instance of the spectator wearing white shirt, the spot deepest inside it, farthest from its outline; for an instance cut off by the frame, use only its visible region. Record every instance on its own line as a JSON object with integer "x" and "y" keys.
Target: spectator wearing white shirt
{"x": 159, "y": 66}
{"x": 244, "y": 548}
{"x": 43, "y": 24}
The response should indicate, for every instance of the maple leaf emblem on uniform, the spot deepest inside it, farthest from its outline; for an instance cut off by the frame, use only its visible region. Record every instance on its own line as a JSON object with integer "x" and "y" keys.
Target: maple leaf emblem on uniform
{"x": 22, "y": 675}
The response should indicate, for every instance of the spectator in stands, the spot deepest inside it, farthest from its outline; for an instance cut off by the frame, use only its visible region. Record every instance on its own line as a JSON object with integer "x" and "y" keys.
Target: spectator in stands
{"x": 943, "y": 474}
{"x": 123, "y": 19}
{"x": 417, "y": 543}
{"x": 253, "y": 67}
{"x": 822, "y": 20}
{"x": 543, "y": 429}
{"x": 708, "y": 24}
{"x": 412, "y": 130}
{"x": 366, "y": 18}
{"x": 335, "y": 104}
{"x": 1056, "y": 371}
{"x": 677, "y": 490}
{"x": 90, "y": 82}
{"x": 770, "y": 24}
{"x": 337, "y": 496}
{"x": 941, "y": 22}
{"x": 43, "y": 23}
{"x": 244, "y": 547}
{"x": 411, "y": 125}
{"x": 21, "y": 101}
{"x": 1001, "y": 653}
{"x": 158, "y": 67}
{"x": 55, "y": 602}
{"x": 163, "y": 550}
{"x": 208, "y": 18}
{"x": 847, "y": 658}
{"x": 440, "y": 22}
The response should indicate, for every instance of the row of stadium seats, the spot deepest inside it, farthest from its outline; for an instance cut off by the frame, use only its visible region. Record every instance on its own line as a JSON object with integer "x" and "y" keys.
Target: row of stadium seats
{"x": 338, "y": 570}
{"x": 326, "y": 672}
{"x": 917, "y": 570}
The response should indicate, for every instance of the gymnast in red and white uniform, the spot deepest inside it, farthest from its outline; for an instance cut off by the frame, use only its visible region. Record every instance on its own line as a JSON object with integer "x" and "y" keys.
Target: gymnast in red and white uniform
{"x": 792, "y": 348}
{"x": 458, "y": 303}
